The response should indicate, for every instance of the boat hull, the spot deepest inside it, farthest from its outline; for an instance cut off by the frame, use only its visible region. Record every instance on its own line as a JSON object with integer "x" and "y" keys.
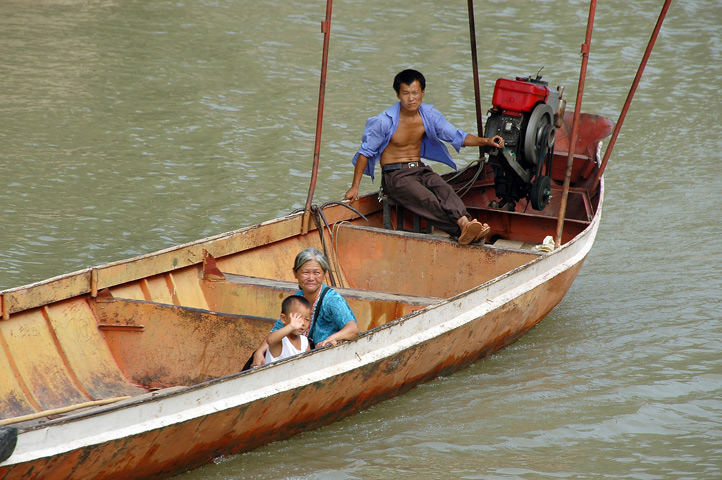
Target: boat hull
{"x": 168, "y": 432}
{"x": 176, "y": 447}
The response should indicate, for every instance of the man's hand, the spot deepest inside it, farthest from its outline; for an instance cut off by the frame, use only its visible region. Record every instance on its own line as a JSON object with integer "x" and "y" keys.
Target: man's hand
{"x": 474, "y": 141}
{"x": 358, "y": 171}
{"x": 496, "y": 141}
{"x": 351, "y": 194}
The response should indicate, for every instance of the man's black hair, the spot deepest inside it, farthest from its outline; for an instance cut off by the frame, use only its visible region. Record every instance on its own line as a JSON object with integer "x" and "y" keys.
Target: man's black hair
{"x": 290, "y": 300}
{"x": 408, "y": 76}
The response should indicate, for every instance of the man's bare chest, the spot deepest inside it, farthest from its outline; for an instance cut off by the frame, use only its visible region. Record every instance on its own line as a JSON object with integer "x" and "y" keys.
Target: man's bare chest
{"x": 409, "y": 132}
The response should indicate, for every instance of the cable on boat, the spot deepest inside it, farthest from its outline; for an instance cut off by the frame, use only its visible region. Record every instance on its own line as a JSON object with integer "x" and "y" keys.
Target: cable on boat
{"x": 320, "y": 220}
{"x": 332, "y": 202}
{"x": 335, "y": 258}
{"x": 344, "y": 204}
{"x": 318, "y": 217}
{"x": 464, "y": 189}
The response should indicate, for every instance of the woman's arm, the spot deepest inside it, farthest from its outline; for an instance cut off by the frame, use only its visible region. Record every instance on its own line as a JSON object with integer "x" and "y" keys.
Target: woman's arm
{"x": 349, "y": 331}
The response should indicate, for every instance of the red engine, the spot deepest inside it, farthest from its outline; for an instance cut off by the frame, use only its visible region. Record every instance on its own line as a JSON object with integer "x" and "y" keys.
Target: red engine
{"x": 526, "y": 114}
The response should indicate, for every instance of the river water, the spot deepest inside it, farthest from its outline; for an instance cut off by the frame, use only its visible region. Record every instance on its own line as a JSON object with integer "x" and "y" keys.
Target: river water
{"x": 131, "y": 126}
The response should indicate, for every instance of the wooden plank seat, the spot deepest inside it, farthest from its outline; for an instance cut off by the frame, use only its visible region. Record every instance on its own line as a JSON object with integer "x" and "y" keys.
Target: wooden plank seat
{"x": 263, "y": 296}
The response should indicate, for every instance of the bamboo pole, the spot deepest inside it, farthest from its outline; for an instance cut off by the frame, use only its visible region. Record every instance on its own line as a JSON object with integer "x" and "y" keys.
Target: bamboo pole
{"x": 57, "y": 411}
{"x": 575, "y": 122}
{"x": 475, "y": 69}
{"x": 326, "y": 30}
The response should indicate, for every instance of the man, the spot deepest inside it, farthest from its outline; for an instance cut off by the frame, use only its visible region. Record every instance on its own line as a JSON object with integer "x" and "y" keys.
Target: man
{"x": 399, "y": 137}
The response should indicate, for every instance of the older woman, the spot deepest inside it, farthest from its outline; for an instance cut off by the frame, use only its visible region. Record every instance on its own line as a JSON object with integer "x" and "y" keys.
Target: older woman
{"x": 331, "y": 317}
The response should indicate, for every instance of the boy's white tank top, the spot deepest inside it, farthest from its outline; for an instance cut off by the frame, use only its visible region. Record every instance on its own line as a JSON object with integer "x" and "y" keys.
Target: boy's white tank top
{"x": 288, "y": 350}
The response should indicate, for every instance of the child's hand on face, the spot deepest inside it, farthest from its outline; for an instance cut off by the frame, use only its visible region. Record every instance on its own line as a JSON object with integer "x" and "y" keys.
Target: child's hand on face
{"x": 296, "y": 320}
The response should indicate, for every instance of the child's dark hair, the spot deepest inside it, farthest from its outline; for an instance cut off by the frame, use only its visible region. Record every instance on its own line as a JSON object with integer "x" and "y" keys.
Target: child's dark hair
{"x": 408, "y": 76}
{"x": 289, "y": 301}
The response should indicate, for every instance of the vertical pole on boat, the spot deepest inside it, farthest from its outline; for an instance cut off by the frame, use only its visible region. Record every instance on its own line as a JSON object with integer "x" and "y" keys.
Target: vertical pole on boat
{"x": 577, "y": 110}
{"x": 632, "y": 90}
{"x": 475, "y": 68}
{"x": 326, "y": 30}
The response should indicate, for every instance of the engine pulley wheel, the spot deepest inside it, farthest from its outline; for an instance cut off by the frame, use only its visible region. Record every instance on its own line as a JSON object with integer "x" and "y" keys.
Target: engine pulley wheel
{"x": 541, "y": 192}
{"x": 540, "y": 132}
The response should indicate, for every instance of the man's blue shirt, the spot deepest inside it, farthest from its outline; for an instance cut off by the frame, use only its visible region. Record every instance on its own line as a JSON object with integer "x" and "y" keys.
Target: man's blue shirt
{"x": 379, "y": 130}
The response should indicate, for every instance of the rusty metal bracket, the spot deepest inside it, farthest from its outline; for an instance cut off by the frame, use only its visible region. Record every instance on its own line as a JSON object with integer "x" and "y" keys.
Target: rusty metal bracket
{"x": 211, "y": 272}
{"x": 104, "y": 295}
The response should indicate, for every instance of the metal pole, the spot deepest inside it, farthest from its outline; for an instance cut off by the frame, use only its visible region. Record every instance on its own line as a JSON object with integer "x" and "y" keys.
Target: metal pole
{"x": 577, "y": 110}
{"x": 633, "y": 89}
{"x": 326, "y": 30}
{"x": 475, "y": 68}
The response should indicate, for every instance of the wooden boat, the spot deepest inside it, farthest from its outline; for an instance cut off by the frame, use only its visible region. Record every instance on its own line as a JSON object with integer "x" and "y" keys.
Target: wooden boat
{"x": 135, "y": 369}
{"x": 163, "y": 337}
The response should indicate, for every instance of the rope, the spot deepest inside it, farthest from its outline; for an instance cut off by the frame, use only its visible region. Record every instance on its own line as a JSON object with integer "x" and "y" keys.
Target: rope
{"x": 320, "y": 220}
{"x": 317, "y": 217}
{"x": 465, "y": 188}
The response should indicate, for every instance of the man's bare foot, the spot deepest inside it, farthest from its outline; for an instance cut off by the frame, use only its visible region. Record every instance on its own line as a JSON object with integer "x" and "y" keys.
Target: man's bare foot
{"x": 485, "y": 229}
{"x": 469, "y": 232}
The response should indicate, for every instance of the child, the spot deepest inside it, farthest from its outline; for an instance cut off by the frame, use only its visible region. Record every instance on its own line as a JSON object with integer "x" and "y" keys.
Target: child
{"x": 291, "y": 339}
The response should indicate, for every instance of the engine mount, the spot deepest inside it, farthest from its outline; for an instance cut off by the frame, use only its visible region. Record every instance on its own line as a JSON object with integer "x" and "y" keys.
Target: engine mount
{"x": 525, "y": 113}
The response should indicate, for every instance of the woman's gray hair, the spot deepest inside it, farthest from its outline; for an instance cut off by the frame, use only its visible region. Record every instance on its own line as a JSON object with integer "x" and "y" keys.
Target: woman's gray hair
{"x": 308, "y": 255}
